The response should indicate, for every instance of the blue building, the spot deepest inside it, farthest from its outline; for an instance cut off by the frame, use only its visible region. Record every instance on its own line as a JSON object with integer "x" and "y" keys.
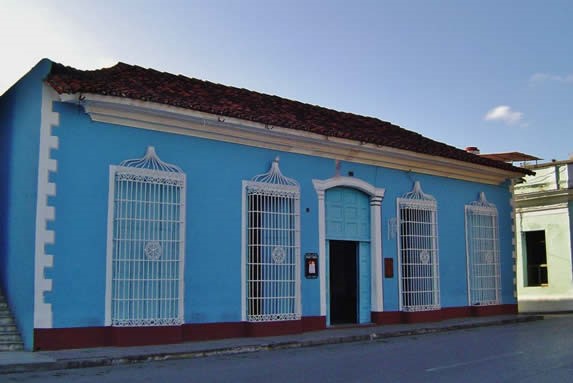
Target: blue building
{"x": 142, "y": 207}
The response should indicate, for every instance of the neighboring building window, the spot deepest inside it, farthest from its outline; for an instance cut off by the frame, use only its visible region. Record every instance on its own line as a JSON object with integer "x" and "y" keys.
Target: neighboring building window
{"x": 146, "y": 248}
{"x": 273, "y": 247}
{"x": 418, "y": 251}
{"x": 536, "y": 258}
{"x": 482, "y": 248}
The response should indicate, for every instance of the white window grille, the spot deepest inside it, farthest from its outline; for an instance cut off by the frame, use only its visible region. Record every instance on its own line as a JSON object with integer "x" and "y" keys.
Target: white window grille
{"x": 418, "y": 251}
{"x": 482, "y": 247}
{"x": 273, "y": 247}
{"x": 146, "y": 250}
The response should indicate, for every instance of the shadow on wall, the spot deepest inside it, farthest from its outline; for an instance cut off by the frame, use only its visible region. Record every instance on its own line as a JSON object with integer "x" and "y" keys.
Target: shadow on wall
{"x": 6, "y": 114}
{"x": 545, "y": 305}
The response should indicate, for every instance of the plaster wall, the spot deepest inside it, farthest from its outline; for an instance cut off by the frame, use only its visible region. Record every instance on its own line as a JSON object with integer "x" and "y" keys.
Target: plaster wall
{"x": 215, "y": 171}
{"x": 20, "y": 118}
{"x": 558, "y": 294}
{"x": 553, "y": 177}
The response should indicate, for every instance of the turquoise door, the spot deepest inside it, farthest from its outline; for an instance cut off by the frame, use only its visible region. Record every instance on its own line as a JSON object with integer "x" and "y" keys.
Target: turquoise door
{"x": 364, "y": 282}
{"x": 348, "y": 219}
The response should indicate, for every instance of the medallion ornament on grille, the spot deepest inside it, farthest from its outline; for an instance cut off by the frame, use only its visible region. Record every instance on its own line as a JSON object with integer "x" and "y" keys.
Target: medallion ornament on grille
{"x": 152, "y": 250}
{"x": 424, "y": 257}
{"x": 279, "y": 254}
{"x": 489, "y": 257}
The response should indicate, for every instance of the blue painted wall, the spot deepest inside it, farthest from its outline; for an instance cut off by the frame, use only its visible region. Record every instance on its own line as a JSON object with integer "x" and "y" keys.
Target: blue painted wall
{"x": 20, "y": 114}
{"x": 213, "y": 232}
{"x": 452, "y": 196}
{"x": 215, "y": 172}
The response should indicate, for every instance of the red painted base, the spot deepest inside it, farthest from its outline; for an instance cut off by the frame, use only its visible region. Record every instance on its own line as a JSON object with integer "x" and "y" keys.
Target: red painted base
{"x": 422, "y": 316}
{"x": 84, "y": 337}
{"x": 212, "y": 331}
{"x": 77, "y": 337}
{"x": 257, "y": 329}
{"x": 394, "y": 317}
{"x": 139, "y": 336}
{"x": 455, "y": 312}
{"x": 313, "y": 323}
{"x": 386, "y": 317}
{"x": 480, "y": 311}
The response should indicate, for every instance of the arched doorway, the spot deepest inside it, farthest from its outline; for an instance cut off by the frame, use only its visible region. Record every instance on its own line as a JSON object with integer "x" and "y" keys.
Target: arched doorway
{"x": 348, "y": 255}
{"x": 350, "y": 249}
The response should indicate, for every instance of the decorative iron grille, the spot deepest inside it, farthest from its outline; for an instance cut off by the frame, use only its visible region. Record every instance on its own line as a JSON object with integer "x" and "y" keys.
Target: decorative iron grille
{"x": 273, "y": 247}
{"x": 148, "y": 220}
{"x": 482, "y": 247}
{"x": 418, "y": 249}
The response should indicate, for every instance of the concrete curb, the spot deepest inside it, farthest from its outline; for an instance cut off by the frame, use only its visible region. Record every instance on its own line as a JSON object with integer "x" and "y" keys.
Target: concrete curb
{"x": 232, "y": 350}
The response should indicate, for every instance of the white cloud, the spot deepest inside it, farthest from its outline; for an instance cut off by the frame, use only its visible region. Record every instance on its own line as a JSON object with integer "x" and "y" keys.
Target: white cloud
{"x": 504, "y": 114}
{"x": 549, "y": 77}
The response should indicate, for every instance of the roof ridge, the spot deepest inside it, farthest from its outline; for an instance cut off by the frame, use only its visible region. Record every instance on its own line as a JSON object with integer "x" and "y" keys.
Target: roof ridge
{"x": 148, "y": 84}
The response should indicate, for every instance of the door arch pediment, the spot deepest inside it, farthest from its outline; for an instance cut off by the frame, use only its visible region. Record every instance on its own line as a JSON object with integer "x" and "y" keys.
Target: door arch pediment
{"x": 351, "y": 182}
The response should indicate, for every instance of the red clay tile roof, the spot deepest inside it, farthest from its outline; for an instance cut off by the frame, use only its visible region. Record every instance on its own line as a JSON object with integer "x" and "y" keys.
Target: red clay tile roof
{"x": 134, "y": 82}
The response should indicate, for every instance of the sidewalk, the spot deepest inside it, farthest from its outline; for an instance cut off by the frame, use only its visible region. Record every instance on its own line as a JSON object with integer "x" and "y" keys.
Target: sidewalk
{"x": 12, "y": 362}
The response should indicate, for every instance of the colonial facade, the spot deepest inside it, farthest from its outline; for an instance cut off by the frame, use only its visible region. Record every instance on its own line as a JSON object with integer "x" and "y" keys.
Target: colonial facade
{"x": 544, "y": 223}
{"x": 142, "y": 207}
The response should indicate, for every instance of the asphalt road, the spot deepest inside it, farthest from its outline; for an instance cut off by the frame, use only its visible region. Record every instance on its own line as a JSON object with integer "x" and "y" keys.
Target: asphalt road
{"x": 540, "y": 351}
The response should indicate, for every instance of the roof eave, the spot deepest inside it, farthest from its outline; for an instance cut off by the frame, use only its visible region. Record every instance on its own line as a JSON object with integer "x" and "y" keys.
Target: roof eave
{"x": 161, "y": 117}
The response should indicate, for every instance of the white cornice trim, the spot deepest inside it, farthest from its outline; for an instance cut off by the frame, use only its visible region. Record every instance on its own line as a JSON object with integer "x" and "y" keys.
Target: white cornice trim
{"x": 557, "y": 195}
{"x": 560, "y": 208}
{"x": 166, "y": 118}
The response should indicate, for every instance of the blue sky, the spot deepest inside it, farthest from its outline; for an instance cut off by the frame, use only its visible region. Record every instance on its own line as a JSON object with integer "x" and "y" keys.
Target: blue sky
{"x": 493, "y": 74}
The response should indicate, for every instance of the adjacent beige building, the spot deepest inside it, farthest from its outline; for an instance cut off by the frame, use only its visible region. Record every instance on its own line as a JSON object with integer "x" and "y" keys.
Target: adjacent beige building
{"x": 543, "y": 225}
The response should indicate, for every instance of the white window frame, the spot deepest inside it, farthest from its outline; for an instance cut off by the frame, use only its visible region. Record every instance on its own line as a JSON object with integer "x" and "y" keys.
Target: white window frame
{"x": 482, "y": 250}
{"x": 145, "y": 243}
{"x": 271, "y": 248}
{"x": 418, "y": 262}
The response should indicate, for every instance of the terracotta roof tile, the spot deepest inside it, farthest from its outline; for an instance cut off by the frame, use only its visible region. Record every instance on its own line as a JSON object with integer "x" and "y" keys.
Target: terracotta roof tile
{"x": 134, "y": 82}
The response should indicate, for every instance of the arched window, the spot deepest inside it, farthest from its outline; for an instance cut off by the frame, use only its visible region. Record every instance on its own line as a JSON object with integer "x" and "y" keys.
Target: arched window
{"x": 482, "y": 244}
{"x": 271, "y": 264}
{"x": 417, "y": 225}
{"x": 146, "y": 223}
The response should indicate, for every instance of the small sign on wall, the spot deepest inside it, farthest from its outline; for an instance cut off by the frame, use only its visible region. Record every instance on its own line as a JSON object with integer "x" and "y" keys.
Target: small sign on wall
{"x": 388, "y": 267}
{"x": 311, "y": 265}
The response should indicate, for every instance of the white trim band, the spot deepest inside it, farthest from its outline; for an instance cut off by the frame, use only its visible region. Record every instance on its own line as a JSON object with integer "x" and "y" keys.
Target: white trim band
{"x": 166, "y": 118}
{"x": 44, "y": 212}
